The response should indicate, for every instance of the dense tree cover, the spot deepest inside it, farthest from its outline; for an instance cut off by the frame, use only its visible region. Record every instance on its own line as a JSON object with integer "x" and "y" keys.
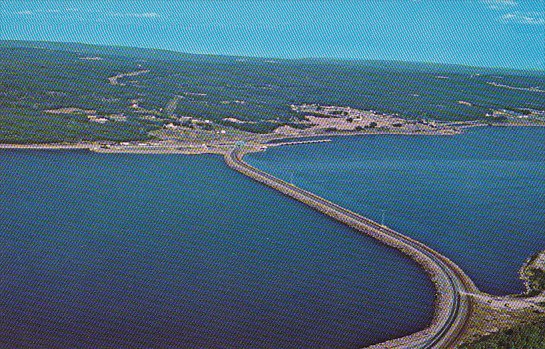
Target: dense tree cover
{"x": 530, "y": 336}
{"x": 35, "y": 77}
{"x": 536, "y": 280}
{"x": 534, "y": 276}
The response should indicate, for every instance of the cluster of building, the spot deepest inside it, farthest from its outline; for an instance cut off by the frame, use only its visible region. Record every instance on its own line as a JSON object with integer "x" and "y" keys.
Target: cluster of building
{"x": 337, "y": 118}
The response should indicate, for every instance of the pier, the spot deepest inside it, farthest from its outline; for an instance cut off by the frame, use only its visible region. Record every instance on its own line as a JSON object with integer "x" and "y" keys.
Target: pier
{"x": 299, "y": 142}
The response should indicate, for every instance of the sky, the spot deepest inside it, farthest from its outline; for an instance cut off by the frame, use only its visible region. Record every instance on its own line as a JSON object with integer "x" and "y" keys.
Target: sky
{"x": 491, "y": 33}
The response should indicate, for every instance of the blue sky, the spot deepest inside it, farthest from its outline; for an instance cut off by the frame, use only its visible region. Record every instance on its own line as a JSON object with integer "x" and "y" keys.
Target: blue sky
{"x": 497, "y": 33}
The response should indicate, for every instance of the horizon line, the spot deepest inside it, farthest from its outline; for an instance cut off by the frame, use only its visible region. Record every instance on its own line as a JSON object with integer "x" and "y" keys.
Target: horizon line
{"x": 341, "y": 59}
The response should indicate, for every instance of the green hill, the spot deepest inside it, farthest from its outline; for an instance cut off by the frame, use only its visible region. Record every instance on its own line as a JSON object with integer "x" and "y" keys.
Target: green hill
{"x": 37, "y": 77}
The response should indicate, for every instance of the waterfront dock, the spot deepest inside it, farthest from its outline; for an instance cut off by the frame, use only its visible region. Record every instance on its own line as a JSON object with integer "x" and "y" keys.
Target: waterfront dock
{"x": 308, "y": 141}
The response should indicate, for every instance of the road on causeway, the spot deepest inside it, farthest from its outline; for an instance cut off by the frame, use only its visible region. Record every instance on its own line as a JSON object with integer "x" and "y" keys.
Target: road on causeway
{"x": 453, "y": 306}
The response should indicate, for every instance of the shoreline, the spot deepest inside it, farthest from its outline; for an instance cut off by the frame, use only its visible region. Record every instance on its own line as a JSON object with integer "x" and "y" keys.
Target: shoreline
{"x": 184, "y": 148}
{"x": 259, "y": 143}
{"x": 486, "y": 304}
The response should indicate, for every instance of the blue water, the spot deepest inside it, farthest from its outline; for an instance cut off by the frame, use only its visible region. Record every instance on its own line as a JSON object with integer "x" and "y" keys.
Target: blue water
{"x": 479, "y": 197}
{"x": 170, "y": 251}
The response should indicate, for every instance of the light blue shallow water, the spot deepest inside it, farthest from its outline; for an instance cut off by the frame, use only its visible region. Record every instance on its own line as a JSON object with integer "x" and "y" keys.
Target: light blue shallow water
{"x": 479, "y": 197}
{"x": 167, "y": 251}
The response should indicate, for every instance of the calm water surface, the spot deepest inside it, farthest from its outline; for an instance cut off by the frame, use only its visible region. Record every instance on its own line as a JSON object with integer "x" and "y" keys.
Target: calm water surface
{"x": 479, "y": 198}
{"x": 168, "y": 251}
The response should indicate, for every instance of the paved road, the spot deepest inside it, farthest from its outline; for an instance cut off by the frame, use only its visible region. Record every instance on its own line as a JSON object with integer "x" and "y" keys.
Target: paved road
{"x": 453, "y": 306}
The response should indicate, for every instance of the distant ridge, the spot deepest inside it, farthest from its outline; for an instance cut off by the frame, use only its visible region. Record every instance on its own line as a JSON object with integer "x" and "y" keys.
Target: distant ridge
{"x": 122, "y": 51}
{"x": 427, "y": 66}
{"x": 167, "y": 55}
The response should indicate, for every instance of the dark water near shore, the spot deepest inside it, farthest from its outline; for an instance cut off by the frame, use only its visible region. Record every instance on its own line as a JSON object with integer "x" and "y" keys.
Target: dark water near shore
{"x": 479, "y": 197}
{"x": 169, "y": 251}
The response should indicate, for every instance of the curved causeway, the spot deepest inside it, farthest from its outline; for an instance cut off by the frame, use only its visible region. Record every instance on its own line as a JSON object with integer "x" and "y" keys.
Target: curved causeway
{"x": 452, "y": 305}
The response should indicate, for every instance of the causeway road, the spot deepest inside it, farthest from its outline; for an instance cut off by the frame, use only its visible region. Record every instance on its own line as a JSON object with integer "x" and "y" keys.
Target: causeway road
{"x": 453, "y": 306}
